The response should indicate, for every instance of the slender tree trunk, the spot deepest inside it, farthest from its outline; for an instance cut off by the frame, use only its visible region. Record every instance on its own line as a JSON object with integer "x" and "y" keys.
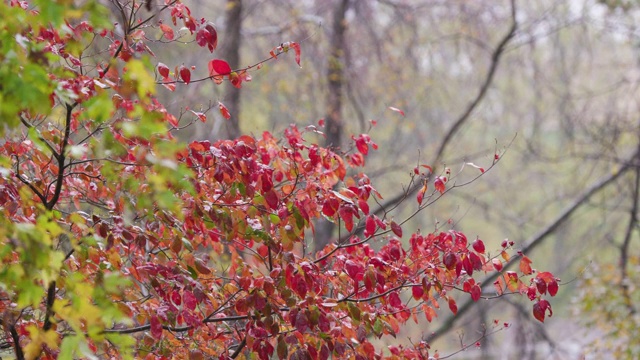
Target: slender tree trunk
{"x": 333, "y": 118}
{"x": 231, "y": 53}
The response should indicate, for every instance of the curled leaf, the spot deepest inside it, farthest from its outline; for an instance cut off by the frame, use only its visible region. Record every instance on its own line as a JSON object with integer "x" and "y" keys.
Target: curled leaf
{"x": 296, "y": 47}
{"x": 396, "y": 110}
{"x": 224, "y": 111}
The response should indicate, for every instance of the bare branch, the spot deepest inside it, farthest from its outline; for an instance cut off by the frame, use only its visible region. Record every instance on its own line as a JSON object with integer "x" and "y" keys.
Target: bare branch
{"x": 537, "y": 239}
{"x": 464, "y": 117}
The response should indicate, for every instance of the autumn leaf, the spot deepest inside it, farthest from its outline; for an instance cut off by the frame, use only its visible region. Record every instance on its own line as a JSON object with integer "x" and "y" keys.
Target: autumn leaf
{"x": 296, "y": 48}
{"x": 552, "y": 287}
{"x": 540, "y": 310}
{"x": 156, "y": 327}
{"x": 417, "y": 292}
{"x": 397, "y": 230}
{"x": 163, "y": 70}
{"x": 439, "y": 184}
{"x": 219, "y": 67}
{"x": 201, "y": 116}
{"x": 476, "y": 166}
{"x": 370, "y": 226}
{"x": 167, "y": 31}
{"x": 185, "y": 74}
{"x": 224, "y": 111}
{"x": 475, "y": 292}
{"x": 396, "y": 110}
{"x": 453, "y": 306}
{"x": 478, "y": 246}
{"x": 525, "y": 266}
{"x": 421, "y": 193}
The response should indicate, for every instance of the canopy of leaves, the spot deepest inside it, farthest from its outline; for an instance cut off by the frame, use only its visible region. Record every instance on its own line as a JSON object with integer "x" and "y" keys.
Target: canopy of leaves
{"x": 118, "y": 241}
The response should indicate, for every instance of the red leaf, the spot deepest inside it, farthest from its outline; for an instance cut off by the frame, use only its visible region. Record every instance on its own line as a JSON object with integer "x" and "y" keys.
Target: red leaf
{"x": 478, "y": 246}
{"x": 296, "y": 47}
{"x": 370, "y": 227}
{"x": 263, "y": 251}
{"x": 347, "y": 216}
{"x": 224, "y": 111}
{"x": 476, "y": 261}
{"x": 468, "y": 267}
{"x": 540, "y": 310}
{"x": 163, "y": 70}
{"x": 439, "y": 184}
{"x": 421, "y": 194}
{"x": 330, "y": 207}
{"x": 156, "y": 327}
{"x": 396, "y": 229}
{"x": 525, "y": 265}
{"x": 200, "y": 116}
{"x": 300, "y": 286}
{"x": 208, "y": 37}
{"x": 541, "y": 285}
{"x": 453, "y": 306}
{"x": 394, "y": 300}
{"x": 176, "y": 298}
{"x": 219, "y": 67}
{"x": 477, "y": 167}
{"x": 369, "y": 280}
{"x": 189, "y": 300}
{"x": 450, "y": 260}
{"x": 272, "y": 199}
{"x": 185, "y": 74}
{"x": 213, "y": 40}
{"x": 417, "y": 292}
{"x": 497, "y": 264}
{"x": 235, "y": 79}
{"x": 552, "y": 287}
{"x": 364, "y": 207}
{"x": 397, "y": 110}
{"x": 353, "y": 269}
{"x": 476, "y": 292}
{"x": 167, "y": 30}
{"x": 546, "y": 276}
{"x": 362, "y": 145}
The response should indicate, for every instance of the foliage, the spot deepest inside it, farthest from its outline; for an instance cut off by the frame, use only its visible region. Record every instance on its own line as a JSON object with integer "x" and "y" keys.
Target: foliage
{"x": 606, "y": 305}
{"x": 118, "y": 241}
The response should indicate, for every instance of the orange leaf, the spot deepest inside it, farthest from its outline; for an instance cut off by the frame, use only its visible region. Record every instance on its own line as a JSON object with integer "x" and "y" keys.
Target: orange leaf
{"x": 224, "y": 111}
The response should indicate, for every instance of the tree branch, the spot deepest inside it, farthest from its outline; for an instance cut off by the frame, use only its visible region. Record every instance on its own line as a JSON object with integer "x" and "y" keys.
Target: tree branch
{"x": 61, "y": 158}
{"x": 240, "y": 347}
{"x": 624, "y": 248}
{"x": 16, "y": 342}
{"x": 464, "y": 117}
{"x": 537, "y": 239}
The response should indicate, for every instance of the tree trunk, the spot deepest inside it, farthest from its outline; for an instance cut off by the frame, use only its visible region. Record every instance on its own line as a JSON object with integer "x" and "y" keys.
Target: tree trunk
{"x": 333, "y": 118}
{"x": 230, "y": 52}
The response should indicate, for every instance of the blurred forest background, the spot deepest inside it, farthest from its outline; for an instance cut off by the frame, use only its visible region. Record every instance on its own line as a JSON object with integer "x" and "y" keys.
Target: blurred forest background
{"x": 555, "y": 93}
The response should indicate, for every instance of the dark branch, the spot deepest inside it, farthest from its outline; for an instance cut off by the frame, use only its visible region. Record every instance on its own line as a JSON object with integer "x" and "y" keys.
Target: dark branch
{"x": 536, "y": 240}
{"x": 239, "y": 349}
{"x": 175, "y": 329}
{"x": 16, "y": 343}
{"x": 61, "y": 158}
{"x": 464, "y": 117}
{"x": 624, "y": 248}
